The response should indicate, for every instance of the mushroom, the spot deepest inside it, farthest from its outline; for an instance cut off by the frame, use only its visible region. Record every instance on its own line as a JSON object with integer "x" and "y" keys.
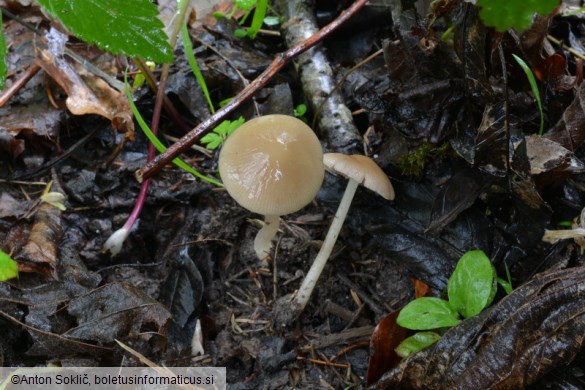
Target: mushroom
{"x": 272, "y": 165}
{"x": 359, "y": 170}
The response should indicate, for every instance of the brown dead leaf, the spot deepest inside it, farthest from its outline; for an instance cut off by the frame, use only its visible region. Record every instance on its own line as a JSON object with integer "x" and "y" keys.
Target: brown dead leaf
{"x": 10, "y": 207}
{"x": 40, "y": 254}
{"x": 87, "y": 94}
{"x": 386, "y": 337}
{"x": 116, "y": 311}
{"x": 569, "y": 131}
{"x": 37, "y": 123}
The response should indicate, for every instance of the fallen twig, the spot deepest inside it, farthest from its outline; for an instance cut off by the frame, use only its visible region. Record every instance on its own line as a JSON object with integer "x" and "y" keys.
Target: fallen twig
{"x": 278, "y": 63}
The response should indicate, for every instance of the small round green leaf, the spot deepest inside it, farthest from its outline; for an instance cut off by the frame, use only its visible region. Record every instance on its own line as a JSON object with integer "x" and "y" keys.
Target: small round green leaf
{"x": 470, "y": 288}
{"x": 427, "y": 313}
{"x": 415, "y": 343}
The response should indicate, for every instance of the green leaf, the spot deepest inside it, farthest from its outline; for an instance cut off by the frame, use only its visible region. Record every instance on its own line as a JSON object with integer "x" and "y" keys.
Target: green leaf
{"x": 245, "y": 4}
{"x": 8, "y": 267}
{"x": 221, "y": 132}
{"x": 3, "y": 53}
{"x": 507, "y": 286}
{"x": 415, "y": 343}
{"x": 194, "y": 65}
{"x": 427, "y": 313}
{"x": 470, "y": 287}
{"x": 300, "y": 110}
{"x": 233, "y": 125}
{"x": 505, "y": 14}
{"x": 533, "y": 87}
{"x": 211, "y": 140}
{"x": 240, "y": 33}
{"x": 130, "y": 27}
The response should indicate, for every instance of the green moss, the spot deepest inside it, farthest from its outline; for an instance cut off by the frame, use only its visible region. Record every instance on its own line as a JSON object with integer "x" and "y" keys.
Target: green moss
{"x": 414, "y": 164}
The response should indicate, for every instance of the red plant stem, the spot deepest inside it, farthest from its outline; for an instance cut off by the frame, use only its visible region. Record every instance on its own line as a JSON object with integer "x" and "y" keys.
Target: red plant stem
{"x": 278, "y": 63}
{"x": 141, "y": 199}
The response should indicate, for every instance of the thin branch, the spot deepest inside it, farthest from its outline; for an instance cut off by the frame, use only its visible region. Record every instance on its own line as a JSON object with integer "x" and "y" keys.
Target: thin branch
{"x": 206, "y": 126}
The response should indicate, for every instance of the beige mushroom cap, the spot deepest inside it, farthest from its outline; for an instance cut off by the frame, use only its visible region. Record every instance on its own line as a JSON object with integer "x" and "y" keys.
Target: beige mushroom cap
{"x": 272, "y": 165}
{"x": 361, "y": 169}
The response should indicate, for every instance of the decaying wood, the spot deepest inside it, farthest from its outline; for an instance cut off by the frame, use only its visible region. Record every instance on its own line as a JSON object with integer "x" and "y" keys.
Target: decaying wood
{"x": 334, "y": 118}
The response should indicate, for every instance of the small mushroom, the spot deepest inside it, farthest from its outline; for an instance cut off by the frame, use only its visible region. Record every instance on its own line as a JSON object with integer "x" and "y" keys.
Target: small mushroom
{"x": 272, "y": 165}
{"x": 359, "y": 170}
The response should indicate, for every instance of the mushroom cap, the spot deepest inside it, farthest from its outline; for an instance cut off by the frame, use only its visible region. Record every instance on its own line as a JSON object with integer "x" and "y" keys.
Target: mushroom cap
{"x": 361, "y": 169}
{"x": 272, "y": 165}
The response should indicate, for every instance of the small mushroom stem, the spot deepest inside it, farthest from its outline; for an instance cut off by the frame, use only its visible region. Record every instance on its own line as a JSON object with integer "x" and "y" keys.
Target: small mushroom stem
{"x": 262, "y": 242}
{"x": 304, "y": 293}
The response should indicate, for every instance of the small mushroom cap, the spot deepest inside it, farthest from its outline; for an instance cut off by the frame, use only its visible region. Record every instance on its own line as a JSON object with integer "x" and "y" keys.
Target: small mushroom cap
{"x": 361, "y": 169}
{"x": 272, "y": 165}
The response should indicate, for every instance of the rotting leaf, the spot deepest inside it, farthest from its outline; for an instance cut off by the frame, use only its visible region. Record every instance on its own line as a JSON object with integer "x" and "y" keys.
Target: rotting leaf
{"x": 544, "y": 321}
{"x": 36, "y": 122}
{"x": 550, "y": 160}
{"x": 40, "y": 254}
{"x": 386, "y": 337}
{"x": 569, "y": 131}
{"x": 47, "y": 343}
{"x": 11, "y": 207}
{"x": 90, "y": 96}
{"x": 487, "y": 148}
{"x": 116, "y": 311}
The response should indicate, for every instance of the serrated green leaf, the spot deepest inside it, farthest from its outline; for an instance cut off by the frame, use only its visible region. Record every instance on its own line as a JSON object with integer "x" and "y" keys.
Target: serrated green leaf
{"x": 470, "y": 287}
{"x": 233, "y": 125}
{"x": 211, "y": 140}
{"x": 8, "y": 267}
{"x": 245, "y": 4}
{"x": 415, "y": 343}
{"x": 130, "y": 27}
{"x": 427, "y": 313}
{"x": 3, "y": 53}
{"x": 505, "y": 14}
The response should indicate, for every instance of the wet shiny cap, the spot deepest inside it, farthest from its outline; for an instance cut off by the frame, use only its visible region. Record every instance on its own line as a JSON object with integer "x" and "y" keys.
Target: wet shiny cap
{"x": 362, "y": 169}
{"x": 272, "y": 165}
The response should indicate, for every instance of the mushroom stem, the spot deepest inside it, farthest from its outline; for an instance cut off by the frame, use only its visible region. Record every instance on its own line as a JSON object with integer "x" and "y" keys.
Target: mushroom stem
{"x": 304, "y": 293}
{"x": 262, "y": 242}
